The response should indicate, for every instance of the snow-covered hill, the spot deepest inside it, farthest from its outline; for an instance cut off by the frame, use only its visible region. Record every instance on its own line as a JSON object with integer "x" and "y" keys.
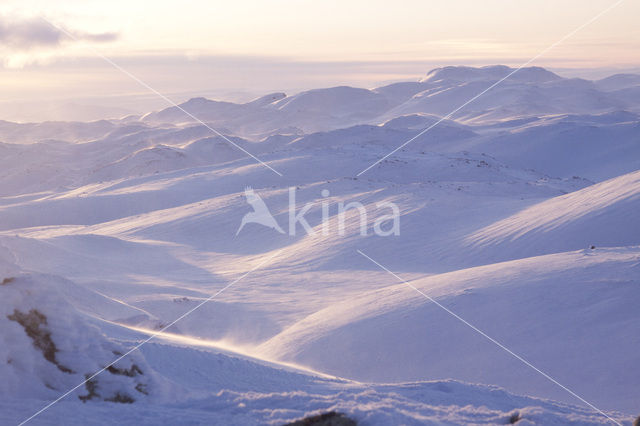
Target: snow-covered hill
{"x": 604, "y": 214}
{"x": 561, "y": 310}
{"x": 51, "y": 347}
{"x": 111, "y": 230}
{"x": 529, "y": 91}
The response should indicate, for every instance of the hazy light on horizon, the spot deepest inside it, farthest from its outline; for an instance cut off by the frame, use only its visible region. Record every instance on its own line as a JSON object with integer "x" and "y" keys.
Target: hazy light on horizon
{"x": 258, "y": 45}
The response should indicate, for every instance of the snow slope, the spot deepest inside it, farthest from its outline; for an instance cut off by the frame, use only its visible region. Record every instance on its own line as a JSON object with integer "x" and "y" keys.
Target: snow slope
{"x": 182, "y": 384}
{"x": 50, "y": 347}
{"x": 595, "y": 147}
{"x": 604, "y": 214}
{"x": 395, "y": 333}
{"x": 111, "y": 230}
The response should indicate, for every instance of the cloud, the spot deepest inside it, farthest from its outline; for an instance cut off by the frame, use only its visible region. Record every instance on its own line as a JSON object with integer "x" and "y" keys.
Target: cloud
{"x": 31, "y": 33}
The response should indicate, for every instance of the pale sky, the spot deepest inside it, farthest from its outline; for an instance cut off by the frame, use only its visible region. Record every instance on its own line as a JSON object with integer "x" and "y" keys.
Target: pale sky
{"x": 194, "y": 46}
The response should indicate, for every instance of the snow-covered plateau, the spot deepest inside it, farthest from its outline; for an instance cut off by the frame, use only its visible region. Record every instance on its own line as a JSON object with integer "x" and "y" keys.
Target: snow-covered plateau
{"x": 510, "y": 293}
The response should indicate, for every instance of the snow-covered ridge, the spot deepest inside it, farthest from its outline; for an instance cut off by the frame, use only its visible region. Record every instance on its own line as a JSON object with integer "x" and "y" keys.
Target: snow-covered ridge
{"x": 495, "y": 72}
{"x": 234, "y": 389}
{"x": 603, "y": 214}
{"x": 110, "y": 230}
{"x": 50, "y": 347}
{"x": 531, "y": 90}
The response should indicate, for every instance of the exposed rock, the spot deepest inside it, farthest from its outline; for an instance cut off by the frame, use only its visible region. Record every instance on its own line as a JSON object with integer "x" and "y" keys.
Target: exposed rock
{"x": 35, "y": 325}
{"x": 332, "y": 418}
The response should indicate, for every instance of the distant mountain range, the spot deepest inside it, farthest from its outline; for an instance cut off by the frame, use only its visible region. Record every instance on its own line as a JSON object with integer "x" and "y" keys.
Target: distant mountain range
{"x": 518, "y": 213}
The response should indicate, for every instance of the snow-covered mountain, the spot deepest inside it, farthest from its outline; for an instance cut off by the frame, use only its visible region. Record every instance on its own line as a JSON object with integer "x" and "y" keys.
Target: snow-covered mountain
{"x": 529, "y": 91}
{"x": 518, "y": 214}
